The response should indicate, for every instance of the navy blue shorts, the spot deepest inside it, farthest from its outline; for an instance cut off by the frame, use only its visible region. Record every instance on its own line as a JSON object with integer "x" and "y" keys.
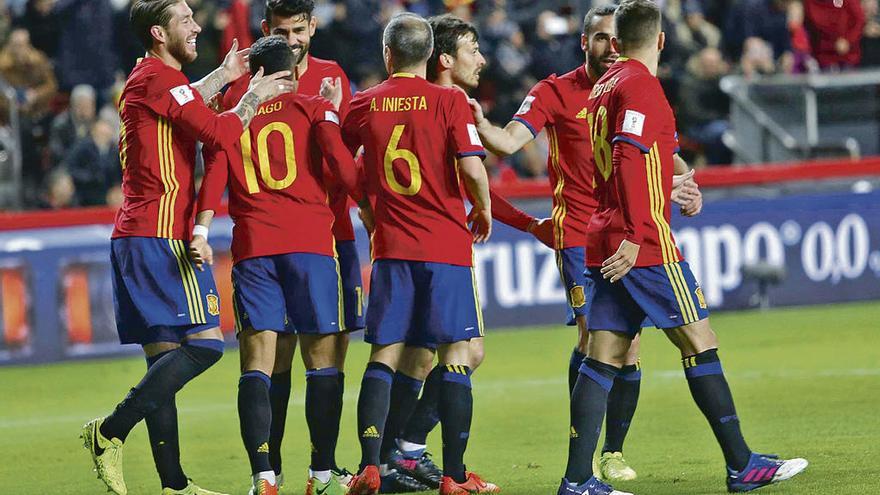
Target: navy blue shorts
{"x": 422, "y": 304}
{"x": 352, "y": 285}
{"x": 571, "y": 262}
{"x": 158, "y": 294}
{"x": 666, "y": 296}
{"x": 286, "y": 293}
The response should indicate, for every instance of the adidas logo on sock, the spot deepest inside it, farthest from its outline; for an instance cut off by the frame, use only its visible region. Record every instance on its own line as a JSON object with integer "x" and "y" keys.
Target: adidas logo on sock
{"x": 371, "y": 432}
{"x": 263, "y": 449}
{"x": 574, "y": 433}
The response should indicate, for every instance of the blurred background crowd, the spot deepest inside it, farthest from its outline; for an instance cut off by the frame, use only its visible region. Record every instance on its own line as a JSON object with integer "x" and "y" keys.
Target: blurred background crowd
{"x": 63, "y": 62}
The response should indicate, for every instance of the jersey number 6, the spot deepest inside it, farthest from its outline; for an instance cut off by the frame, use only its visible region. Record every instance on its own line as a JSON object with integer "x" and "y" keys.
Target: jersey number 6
{"x": 262, "y": 143}
{"x": 392, "y": 152}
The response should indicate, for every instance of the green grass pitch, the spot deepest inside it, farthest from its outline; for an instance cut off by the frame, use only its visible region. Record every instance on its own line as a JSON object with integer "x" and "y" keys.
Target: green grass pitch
{"x": 806, "y": 381}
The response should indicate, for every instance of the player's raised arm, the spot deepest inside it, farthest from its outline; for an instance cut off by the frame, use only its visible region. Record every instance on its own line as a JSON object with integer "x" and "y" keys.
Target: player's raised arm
{"x": 500, "y": 141}
{"x": 234, "y": 65}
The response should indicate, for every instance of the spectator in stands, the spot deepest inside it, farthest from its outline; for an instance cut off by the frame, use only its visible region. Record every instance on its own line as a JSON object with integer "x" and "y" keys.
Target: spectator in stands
{"x": 803, "y": 60}
{"x": 59, "y": 191}
{"x": 93, "y": 163}
{"x": 42, "y": 24}
{"x": 764, "y": 19}
{"x": 555, "y": 50}
{"x": 84, "y": 54}
{"x": 74, "y": 123}
{"x": 32, "y": 87}
{"x": 757, "y": 58}
{"x": 703, "y": 110}
{"x": 871, "y": 34}
{"x": 835, "y": 30}
{"x": 128, "y": 46}
{"x": 5, "y": 20}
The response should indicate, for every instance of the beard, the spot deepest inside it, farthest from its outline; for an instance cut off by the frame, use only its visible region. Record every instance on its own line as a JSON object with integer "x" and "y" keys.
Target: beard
{"x": 300, "y": 52}
{"x": 178, "y": 49}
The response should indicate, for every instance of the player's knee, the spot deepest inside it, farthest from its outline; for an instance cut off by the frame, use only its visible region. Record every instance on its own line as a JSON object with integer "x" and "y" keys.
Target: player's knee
{"x": 477, "y": 354}
{"x": 206, "y": 352}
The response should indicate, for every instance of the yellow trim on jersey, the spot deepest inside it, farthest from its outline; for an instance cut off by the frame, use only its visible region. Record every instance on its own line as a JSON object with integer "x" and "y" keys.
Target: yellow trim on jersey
{"x": 339, "y": 293}
{"x": 658, "y": 204}
{"x": 403, "y": 74}
{"x": 123, "y": 153}
{"x": 167, "y": 170}
{"x": 560, "y": 209}
{"x": 477, "y": 305}
{"x": 190, "y": 283}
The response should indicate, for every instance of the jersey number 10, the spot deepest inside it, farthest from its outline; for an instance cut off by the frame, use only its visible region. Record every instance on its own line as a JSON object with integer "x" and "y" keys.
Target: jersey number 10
{"x": 262, "y": 144}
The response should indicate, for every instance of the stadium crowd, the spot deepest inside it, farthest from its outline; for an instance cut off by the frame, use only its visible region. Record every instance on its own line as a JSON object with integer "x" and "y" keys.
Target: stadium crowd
{"x": 62, "y": 63}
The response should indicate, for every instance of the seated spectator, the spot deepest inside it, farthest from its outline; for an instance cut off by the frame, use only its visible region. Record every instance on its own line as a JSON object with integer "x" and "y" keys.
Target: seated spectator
{"x": 702, "y": 113}
{"x": 556, "y": 48}
{"x": 765, "y": 19}
{"x": 59, "y": 191}
{"x": 29, "y": 74}
{"x": 871, "y": 34}
{"x": 74, "y": 123}
{"x": 757, "y": 59}
{"x": 93, "y": 163}
{"x": 835, "y": 31}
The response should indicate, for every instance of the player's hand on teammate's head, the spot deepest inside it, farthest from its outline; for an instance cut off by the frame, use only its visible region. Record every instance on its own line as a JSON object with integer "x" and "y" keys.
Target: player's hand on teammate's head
{"x": 200, "y": 252}
{"x": 268, "y": 87}
{"x": 236, "y": 62}
{"x": 477, "y": 110}
{"x": 621, "y": 262}
{"x": 480, "y": 221}
{"x": 331, "y": 89}
{"x": 542, "y": 229}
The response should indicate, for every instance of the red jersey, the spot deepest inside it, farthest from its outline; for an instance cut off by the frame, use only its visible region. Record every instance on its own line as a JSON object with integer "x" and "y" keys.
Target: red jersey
{"x": 634, "y": 139}
{"x": 275, "y": 173}
{"x": 558, "y": 103}
{"x": 162, "y": 117}
{"x": 829, "y": 20}
{"x": 310, "y": 85}
{"x": 412, "y": 132}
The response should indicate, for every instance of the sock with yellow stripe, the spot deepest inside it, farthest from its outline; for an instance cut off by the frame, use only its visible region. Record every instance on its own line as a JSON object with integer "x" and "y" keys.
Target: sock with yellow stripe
{"x": 255, "y": 418}
{"x": 160, "y": 384}
{"x": 321, "y": 395}
{"x": 712, "y": 394}
{"x": 372, "y": 410}
{"x": 456, "y": 407}
{"x": 622, "y": 401}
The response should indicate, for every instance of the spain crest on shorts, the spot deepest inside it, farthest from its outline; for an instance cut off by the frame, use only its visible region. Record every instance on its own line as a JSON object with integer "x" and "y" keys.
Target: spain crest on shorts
{"x": 700, "y": 298}
{"x": 576, "y": 294}
{"x": 213, "y": 304}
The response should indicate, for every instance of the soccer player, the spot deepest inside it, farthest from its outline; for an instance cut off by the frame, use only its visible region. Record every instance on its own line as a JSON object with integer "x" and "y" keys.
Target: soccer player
{"x": 419, "y": 141}
{"x": 557, "y": 104}
{"x": 455, "y": 62}
{"x": 293, "y": 20}
{"x": 635, "y": 270}
{"x": 161, "y": 301}
{"x": 286, "y": 276}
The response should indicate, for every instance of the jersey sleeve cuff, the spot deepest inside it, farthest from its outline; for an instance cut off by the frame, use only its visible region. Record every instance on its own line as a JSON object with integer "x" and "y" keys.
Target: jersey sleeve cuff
{"x": 527, "y": 124}
{"x": 627, "y": 139}
{"x": 463, "y": 154}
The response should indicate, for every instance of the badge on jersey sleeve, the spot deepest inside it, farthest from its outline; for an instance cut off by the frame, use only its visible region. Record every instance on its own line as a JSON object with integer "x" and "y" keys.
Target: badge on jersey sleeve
{"x": 331, "y": 116}
{"x": 633, "y": 122}
{"x": 183, "y": 94}
{"x": 526, "y": 105}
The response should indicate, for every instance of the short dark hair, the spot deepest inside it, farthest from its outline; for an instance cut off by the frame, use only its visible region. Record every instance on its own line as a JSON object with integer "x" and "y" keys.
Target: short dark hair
{"x": 145, "y": 14}
{"x": 637, "y": 23}
{"x": 272, "y": 54}
{"x": 410, "y": 39}
{"x": 602, "y": 11}
{"x": 289, "y": 8}
{"x": 447, "y": 29}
